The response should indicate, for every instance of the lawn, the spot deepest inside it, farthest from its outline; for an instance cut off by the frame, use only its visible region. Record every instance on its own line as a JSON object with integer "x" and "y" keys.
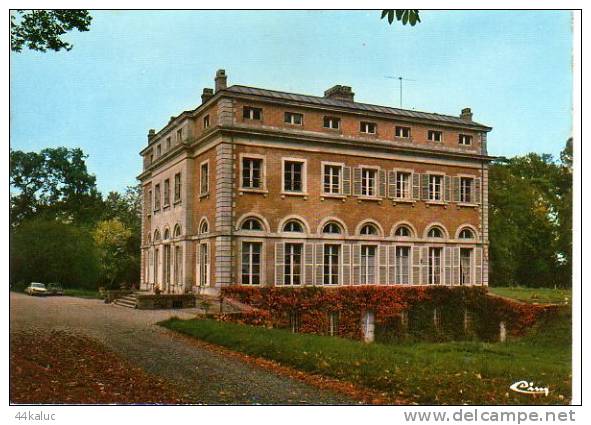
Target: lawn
{"x": 534, "y": 295}
{"x": 424, "y": 373}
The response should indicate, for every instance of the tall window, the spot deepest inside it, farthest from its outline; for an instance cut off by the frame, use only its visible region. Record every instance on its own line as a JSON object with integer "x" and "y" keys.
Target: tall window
{"x": 156, "y": 260}
{"x": 435, "y": 187}
{"x": 332, "y": 179}
{"x": 157, "y": 197}
{"x": 331, "y": 264}
{"x": 178, "y": 258}
{"x": 465, "y": 139}
{"x": 368, "y": 264}
{"x": 435, "y": 266}
{"x": 293, "y": 264}
{"x": 150, "y": 205}
{"x": 293, "y": 118}
{"x": 166, "y": 192}
{"x": 179, "y": 135}
{"x": 204, "y": 178}
{"x": 403, "y": 185}
{"x": 203, "y": 264}
{"x": 158, "y": 151}
{"x": 168, "y": 143}
{"x": 466, "y": 185}
{"x": 167, "y": 261}
{"x": 403, "y": 264}
{"x": 332, "y": 122}
{"x": 465, "y": 266}
{"x": 367, "y": 127}
{"x": 435, "y": 136}
{"x": 251, "y": 173}
{"x": 206, "y": 121}
{"x": 368, "y": 181}
{"x": 293, "y": 176}
{"x": 403, "y": 132}
{"x": 177, "y": 187}
{"x": 249, "y": 113}
{"x": 251, "y": 263}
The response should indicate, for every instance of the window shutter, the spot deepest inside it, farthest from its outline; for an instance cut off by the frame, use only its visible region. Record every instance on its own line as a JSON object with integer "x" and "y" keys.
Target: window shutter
{"x": 208, "y": 268}
{"x": 197, "y": 265}
{"x": 356, "y": 264}
{"x": 319, "y": 264}
{"x": 346, "y": 264}
{"x": 425, "y": 186}
{"x": 416, "y": 265}
{"x": 357, "y": 181}
{"x": 425, "y": 265}
{"x": 383, "y": 274}
{"x": 416, "y": 186}
{"x": 308, "y": 264}
{"x": 456, "y": 265}
{"x": 448, "y": 252}
{"x": 391, "y": 184}
{"x": 346, "y": 180}
{"x": 382, "y": 174}
{"x": 448, "y": 193}
{"x": 391, "y": 264}
{"x": 478, "y": 266}
{"x": 477, "y": 189}
{"x": 279, "y": 263}
{"x": 456, "y": 189}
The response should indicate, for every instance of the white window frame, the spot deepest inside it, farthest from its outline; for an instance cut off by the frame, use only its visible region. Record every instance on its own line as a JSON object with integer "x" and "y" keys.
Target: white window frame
{"x": 204, "y": 266}
{"x": 325, "y": 164}
{"x": 201, "y": 192}
{"x": 331, "y": 120}
{"x": 472, "y": 265}
{"x": 331, "y": 265}
{"x": 206, "y": 122}
{"x": 262, "y": 261}
{"x": 251, "y": 110}
{"x": 376, "y": 181}
{"x": 432, "y": 187}
{"x": 463, "y": 138}
{"x": 429, "y": 131}
{"x": 402, "y": 128}
{"x": 462, "y": 198}
{"x": 304, "y": 162}
{"x": 365, "y": 126}
{"x": 263, "y": 159}
{"x": 366, "y": 269}
{"x": 400, "y": 171}
{"x": 398, "y": 269}
{"x": 291, "y": 118}
{"x": 430, "y": 263}
{"x": 292, "y": 263}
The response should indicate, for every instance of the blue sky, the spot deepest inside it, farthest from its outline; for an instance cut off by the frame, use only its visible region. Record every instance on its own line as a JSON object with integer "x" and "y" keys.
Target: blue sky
{"x": 133, "y": 70}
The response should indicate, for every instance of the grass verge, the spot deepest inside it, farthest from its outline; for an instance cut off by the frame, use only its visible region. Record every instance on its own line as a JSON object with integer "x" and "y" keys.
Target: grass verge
{"x": 534, "y": 295}
{"x": 424, "y": 373}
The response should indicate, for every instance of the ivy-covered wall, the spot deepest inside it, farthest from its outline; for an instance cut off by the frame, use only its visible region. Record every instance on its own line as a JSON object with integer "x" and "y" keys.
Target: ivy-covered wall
{"x": 416, "y": 312}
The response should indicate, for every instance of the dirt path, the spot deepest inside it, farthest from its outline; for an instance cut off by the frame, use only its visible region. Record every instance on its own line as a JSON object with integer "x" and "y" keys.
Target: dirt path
{"x": 202, "y": 375}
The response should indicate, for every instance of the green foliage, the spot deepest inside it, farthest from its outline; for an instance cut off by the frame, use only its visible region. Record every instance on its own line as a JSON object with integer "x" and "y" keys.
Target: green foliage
{"x": 53, "y": 183}
{"x": 534, "y": 295}
{"x": 110, "y": 238}
{"x": 46, "y": 250}
{"x": 41, "y": 29}
{"x": 406, "y": 16}
{"x": 530, "y": 220}
{"x": 425, "y": 373}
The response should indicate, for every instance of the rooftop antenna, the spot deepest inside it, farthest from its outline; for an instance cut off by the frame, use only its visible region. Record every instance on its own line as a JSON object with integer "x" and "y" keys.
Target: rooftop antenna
{"x": 400, "y": 80}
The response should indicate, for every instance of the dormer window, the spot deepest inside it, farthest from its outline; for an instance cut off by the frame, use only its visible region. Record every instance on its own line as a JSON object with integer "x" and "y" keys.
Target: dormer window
{"x": 249, "y": 113}
{"x": 206, "y": 121}
{"x": 403, "y": 132}
{"x": 168, "y": 143}
{"x": 465, "y": 139}
{"x": 293, "y": 118}
{"x": 332, "y": 123}
{"x": 367, "y": 127}
{"x": 179, "y": 135}
{"x": 435, "y": 136}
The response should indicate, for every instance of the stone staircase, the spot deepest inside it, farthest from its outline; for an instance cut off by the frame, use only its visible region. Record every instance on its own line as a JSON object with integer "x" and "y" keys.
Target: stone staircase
{"x": 129, "y": 301}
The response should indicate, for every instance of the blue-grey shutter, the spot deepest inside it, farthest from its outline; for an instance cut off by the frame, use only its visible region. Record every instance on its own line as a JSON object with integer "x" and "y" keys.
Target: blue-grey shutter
{"x": 383, "y": 264}
{"x": 382, "y": 188}
{"x": 448, "y": 265}
{"x": 416, "y": 186}
{"x": 279, "y": 263}
{"x": 425, "y": 186}
{"x": 308, "y": 264}
{"x": 391, "y": 184}
{"x": 346, "y": 265}
{"x": 357, "y": 181}
{"x": 356, "y": 264}
{"x": 477, "y": 190}
{"x": 347, "y": 181}
{"x": 319, "y": 264}
{"x": 447, "y": 189}
{"x": 416, "y": 265}
{"x": 391, "y": 264}
{"x": 478, "y": 266}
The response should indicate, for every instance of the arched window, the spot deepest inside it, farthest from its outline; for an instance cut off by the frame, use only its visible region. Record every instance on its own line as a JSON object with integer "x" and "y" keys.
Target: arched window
{"x": 177, "y": 231}
{"x": 332, "y": 228}
{"x": 369, "y": 229}
{"x": 204, "y": 228}
{"x": 293, "y": 226}
{"x": 403, "y": 231}
{"x": 156, "y": 236}
{"x": 435, "y": 232}
{"x": 148, "y": 239}
{"x": 252, "y": 224}
{"x": 466, "y": 234}
{"x": 166, "y": 234}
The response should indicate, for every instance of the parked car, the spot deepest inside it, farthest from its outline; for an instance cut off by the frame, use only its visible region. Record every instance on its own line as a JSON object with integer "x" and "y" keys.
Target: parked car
{"x": 55, "y": 289}
{"x": 36, "y": 288}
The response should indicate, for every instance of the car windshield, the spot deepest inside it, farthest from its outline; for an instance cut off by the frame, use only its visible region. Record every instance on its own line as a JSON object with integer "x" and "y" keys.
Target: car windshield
{"x": 37, "y": 285}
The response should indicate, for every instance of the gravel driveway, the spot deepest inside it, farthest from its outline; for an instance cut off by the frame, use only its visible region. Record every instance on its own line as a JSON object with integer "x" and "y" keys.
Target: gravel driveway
{"x": 204, "y": 376}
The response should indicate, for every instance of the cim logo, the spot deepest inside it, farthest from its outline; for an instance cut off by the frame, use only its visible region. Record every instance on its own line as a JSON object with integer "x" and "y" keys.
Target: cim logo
{"x": 525, "y": 387}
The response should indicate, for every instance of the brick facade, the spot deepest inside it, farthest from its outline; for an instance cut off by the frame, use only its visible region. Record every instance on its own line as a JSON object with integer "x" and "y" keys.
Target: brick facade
{"x": 296, "y": 203}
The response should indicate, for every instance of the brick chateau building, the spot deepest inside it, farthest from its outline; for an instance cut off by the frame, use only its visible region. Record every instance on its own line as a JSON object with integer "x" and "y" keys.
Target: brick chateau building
{"x": 262, "y": 187}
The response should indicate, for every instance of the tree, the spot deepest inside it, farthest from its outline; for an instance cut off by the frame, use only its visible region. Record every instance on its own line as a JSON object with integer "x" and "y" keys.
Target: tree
{"x": 405, "y": 16}
{"x": 54, "y": 183}
{"x": 48, "y": 250}
{"x": 41, "y": 29}
{"x": 111, "y": 239}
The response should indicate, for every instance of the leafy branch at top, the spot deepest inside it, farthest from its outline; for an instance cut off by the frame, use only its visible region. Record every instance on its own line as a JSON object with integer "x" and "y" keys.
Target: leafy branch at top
{"x": 406, "y": 16}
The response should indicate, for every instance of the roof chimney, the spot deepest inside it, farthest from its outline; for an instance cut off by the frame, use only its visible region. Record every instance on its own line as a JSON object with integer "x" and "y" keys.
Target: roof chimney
{"x": 220, "y": 80}
{"x": 339, "y": 92}
{"x": 466, "y": 114}
{"x": 206, "y": 95}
